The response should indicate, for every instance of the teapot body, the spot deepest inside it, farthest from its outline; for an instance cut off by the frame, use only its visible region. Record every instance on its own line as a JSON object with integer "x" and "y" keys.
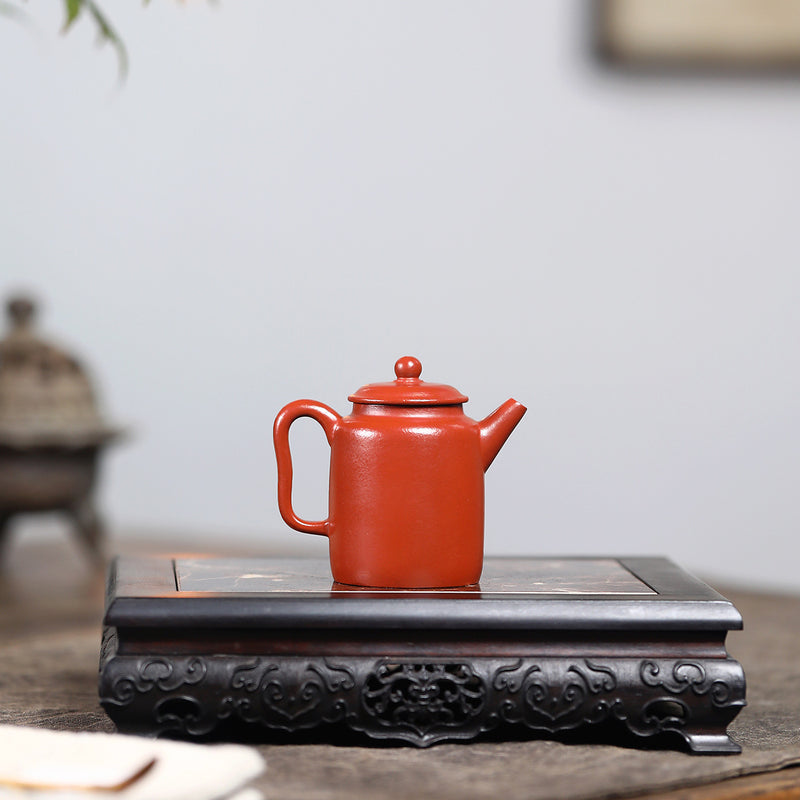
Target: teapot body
{"x": 406, "y": 499}
{"x": 405, "y": 505}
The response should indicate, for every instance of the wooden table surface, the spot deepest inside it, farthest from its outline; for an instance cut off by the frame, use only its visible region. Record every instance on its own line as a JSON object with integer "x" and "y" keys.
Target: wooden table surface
{"x": 47, "y": 589}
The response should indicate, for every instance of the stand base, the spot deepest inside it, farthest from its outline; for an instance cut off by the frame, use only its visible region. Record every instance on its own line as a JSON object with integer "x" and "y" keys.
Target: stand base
{"x": 421, "y": 687}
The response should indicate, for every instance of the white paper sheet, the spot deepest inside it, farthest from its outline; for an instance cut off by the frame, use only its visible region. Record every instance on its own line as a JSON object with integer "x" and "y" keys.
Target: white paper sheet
{"x": 74, "y": 766}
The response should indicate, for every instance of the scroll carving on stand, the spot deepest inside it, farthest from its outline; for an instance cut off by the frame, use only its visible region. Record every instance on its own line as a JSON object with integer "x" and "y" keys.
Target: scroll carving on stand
{"x": 425, "y": 702}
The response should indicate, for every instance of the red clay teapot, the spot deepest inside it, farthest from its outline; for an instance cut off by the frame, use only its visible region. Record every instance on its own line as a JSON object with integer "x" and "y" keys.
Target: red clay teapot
{"x": 405, "y": 504}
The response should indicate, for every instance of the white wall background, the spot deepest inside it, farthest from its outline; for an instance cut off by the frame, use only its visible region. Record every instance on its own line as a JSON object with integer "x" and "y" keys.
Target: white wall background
{"x": 285, "y": 197}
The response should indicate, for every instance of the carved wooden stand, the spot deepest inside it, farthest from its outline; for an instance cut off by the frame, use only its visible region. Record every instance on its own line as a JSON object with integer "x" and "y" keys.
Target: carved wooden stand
{"x": 635, "y": 642}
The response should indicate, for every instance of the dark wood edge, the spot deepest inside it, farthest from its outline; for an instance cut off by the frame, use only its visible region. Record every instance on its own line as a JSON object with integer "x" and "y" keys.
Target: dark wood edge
{"x": 155, "y": 576}
{"x": 139, "y": 587}
{"x": 140, "y": 578}
{"x": 136, "y": 576}
{"x": 415, "y": 614}
{"x": 668, "y": 579}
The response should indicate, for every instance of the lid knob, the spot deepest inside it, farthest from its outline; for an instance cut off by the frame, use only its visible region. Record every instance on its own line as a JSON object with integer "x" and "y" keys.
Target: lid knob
{"x": 408, "y": 367}
{"x": 408, "y": 389}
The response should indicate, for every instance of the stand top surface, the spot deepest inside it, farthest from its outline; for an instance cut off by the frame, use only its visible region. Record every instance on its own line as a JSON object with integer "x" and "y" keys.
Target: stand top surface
{"x": 603, "y": 593}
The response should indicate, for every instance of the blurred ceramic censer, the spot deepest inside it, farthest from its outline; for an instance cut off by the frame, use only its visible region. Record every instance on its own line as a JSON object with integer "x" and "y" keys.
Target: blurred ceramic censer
{"x": 51, "y": 433}
{"x": 406, "y": 481}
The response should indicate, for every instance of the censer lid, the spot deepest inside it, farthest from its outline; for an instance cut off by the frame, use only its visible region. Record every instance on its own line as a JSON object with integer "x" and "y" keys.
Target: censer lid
{"x": 46, "y": 397}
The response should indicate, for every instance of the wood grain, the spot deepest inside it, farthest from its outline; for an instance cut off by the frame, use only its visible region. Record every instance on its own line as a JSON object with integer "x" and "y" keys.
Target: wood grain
{"x": 781, "y": 785}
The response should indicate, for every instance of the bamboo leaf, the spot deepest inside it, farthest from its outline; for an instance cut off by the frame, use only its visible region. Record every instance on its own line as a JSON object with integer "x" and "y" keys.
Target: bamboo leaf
{"x": 73, "y": 9}
{"x": 108, "y": 34}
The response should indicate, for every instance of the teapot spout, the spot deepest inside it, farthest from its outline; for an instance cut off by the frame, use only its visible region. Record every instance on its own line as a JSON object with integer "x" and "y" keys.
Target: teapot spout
{"x": 497, "y": 427}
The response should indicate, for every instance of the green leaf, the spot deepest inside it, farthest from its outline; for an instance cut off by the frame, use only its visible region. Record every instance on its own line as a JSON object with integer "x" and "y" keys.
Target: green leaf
{"x": 73, "y": 9}
{"x": 107, "y": 34}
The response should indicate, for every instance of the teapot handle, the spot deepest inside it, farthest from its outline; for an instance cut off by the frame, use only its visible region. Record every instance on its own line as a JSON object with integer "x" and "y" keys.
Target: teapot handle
{"x": 326, "y": 417}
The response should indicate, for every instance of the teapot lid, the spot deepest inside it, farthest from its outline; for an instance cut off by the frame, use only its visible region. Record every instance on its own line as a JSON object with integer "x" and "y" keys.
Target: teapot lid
{"x": 408, "y": 389}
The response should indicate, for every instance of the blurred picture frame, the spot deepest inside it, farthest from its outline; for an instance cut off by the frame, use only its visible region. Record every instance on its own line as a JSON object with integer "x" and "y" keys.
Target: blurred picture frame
{"x": 720, "y": 35}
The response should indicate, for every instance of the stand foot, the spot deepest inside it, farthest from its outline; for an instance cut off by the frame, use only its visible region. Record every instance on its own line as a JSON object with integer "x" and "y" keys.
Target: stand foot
{"x": 711, "y": 744}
